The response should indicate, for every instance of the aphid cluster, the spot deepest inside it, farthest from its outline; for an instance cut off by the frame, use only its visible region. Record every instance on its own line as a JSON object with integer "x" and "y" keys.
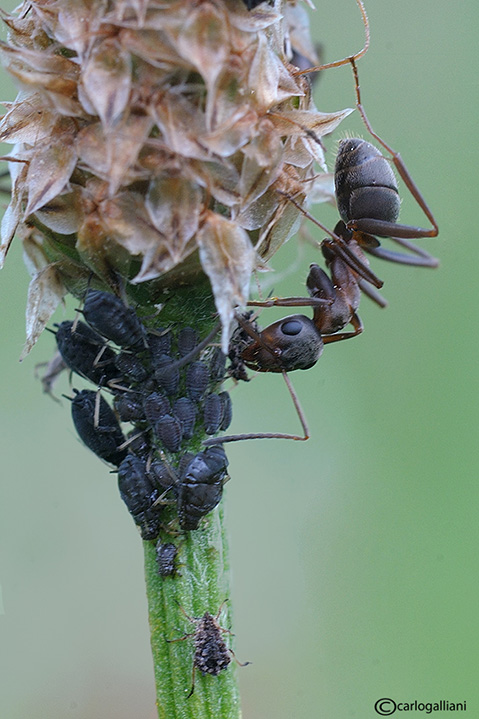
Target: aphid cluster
{"x": 166, "y": 386}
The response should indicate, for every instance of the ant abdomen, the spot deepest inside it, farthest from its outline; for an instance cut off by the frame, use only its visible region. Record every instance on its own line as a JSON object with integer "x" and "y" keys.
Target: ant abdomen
{"x": 366, "y": 186}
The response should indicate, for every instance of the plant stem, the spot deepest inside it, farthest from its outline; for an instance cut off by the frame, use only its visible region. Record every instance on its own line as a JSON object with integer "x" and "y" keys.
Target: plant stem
{"x": 201, "y": 584}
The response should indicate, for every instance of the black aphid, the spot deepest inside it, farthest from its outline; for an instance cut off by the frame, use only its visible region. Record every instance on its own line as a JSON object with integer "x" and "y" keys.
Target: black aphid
{"x": 165, "y": 558}
{"x": 138, "y": 443}
{"x": 167, "y": 374}
{"x": 156, "y": 405}
{"x": 84, "y": 351}
{"x": 211, "y": 653}
{"x": 107, "y": 314}
{"x": 159, "y": 343}
{"x": 97, "y": 426}
{"x": 200, "y": 486}
{"x": 131, "y": 367}
{"x": 187, "y": 340}
{"x": 161, "y": 475}
{"x": 217, "y": 365}
{"x": 139, "y": 495}
{"x": 169, "y": 431}
{"x": 185, "y": 409}
{"x": 197, "y": 378}
{"x": 227, "y": 410}
{"x": 212, "y": 413}
{"x": 129, "y": 406}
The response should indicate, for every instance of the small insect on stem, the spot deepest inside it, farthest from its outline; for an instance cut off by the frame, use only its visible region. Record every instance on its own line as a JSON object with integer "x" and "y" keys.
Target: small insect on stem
{"x": 166, "y": 558}
{"x": 211, "y": 653}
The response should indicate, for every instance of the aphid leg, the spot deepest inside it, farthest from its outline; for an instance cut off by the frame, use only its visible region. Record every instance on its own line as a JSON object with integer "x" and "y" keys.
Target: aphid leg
{"x": 96, "y": 415}
{"x": 240, "y": 664}
{"x": 231, "y": 634}
{"x": 192, "y": 681}
{"x": 131, "y": 439}
{"x": 391, "y": 229}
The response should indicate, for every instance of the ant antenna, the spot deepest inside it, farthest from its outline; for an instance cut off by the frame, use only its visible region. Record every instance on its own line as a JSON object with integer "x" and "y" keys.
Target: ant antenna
{"x": 270, "y": 435}
{"x": 351, "y": 58}
{"x": 266, "y": 435}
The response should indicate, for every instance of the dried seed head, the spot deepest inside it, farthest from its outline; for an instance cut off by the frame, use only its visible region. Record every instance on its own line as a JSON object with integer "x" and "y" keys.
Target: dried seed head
{"x": 153, "y": 141}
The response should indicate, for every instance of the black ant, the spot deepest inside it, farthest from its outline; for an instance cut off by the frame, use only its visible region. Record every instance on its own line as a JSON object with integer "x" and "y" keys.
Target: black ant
{"x": 368, "y": 203}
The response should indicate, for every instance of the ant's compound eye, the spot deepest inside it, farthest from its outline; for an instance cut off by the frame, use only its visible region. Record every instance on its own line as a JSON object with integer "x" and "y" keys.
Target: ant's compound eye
{"x": 291, "y": 327}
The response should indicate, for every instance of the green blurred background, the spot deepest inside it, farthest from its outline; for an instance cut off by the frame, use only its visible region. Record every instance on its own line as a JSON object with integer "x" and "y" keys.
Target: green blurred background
{"x": 354, "y": 555}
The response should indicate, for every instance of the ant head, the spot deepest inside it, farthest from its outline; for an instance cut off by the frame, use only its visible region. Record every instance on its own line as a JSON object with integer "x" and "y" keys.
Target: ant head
{"x": 289, "y": 344}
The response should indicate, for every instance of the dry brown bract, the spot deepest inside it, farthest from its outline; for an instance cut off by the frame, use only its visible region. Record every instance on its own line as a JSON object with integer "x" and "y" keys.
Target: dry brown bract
{"x": 150, "y": 142}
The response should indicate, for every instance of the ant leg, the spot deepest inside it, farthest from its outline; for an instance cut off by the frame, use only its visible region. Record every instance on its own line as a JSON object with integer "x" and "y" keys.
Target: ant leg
{"x": 340, "y": 247}
{"x": 345, "y": 60}
{"x": 291, "y": 302}
{"x": 372, "y": 293}
{"x": 409, "y": 232}
{"x": 419, "y": 258}
{"x": 197, "y": 349}
{"x": 269, "y": 435}
{"x": 355, "y": 321}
